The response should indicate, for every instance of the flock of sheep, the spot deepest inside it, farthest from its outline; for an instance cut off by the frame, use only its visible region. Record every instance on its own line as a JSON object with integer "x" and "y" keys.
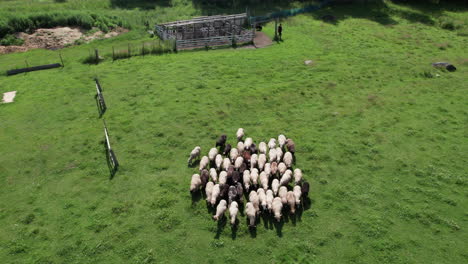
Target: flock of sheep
{"x": 264, "y": 173}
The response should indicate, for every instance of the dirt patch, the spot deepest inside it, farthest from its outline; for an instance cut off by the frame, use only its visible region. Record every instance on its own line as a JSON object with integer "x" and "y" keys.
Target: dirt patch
{"x": 9, "y": 97}
{"x": 261, "y": 40}
{"x": 57, "y": 38}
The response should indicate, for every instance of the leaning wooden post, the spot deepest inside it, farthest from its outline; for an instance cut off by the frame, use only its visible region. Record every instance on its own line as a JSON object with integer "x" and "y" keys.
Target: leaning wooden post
{"x": 61, "y": 59}
{"x": 276, "y": 29}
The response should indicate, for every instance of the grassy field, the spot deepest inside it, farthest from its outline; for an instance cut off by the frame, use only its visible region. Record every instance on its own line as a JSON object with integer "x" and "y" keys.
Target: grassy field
{"x": 380, "y": 134}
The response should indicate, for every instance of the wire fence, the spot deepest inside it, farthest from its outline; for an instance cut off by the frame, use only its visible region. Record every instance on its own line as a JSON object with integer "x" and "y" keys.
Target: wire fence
{"x": 288, "y": 12}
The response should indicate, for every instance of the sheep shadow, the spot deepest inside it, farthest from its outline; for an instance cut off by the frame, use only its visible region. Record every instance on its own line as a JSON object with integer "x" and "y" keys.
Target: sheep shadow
{"x": 194, "y": 163}
{"x": 279, "y": 227}
{"x": 196, "y": 197}
{"x": 210, "y": 209}
{"x": 253, "y": 232}
{"x": 267, "y": 219}
{"x": 234, "y": 229}
{"x": 221, "y": 224}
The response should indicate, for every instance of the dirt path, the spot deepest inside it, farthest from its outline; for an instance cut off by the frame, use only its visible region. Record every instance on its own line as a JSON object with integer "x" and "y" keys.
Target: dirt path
{"x": 261, "y": 40}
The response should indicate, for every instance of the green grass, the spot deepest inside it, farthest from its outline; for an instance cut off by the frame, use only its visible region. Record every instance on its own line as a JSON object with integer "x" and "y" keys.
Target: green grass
{"x": 380, "y": 135}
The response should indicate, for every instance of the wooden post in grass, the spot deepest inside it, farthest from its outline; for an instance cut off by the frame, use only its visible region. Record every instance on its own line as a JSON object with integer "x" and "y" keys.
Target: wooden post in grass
{"x": 96, "y": 54}
{"x": 129, "y": 51}
{"x": 61, "y": 59}
{"x": 276, "y": 28}
{"x": 113, "y": 53}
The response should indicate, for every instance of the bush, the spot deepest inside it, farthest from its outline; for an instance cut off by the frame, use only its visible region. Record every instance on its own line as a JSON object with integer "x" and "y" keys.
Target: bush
{"x": 10, "y": 40}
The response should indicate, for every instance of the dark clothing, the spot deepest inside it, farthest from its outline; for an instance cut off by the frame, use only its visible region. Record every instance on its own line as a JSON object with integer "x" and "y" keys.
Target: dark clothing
{"x": 280, "y": 30}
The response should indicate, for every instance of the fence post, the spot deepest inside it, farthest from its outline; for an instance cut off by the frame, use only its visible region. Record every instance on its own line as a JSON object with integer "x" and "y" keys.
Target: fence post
{"x": 61, "y": 59}
{"x": 276, "y": 29}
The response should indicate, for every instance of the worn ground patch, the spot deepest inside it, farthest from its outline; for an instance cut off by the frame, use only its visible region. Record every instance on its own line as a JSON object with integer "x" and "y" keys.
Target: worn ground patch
{"x": 9, "y": 97}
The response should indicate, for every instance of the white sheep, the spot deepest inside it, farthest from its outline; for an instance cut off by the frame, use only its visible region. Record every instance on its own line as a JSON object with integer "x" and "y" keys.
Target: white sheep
{"x": 286, "y": 178}
{"x": 238, "y": 162}
{"x": 262, "y": 147}
{"x": 264, "y": 180}
{"x": 246, "y": 179}
{"x": 282, "y": 168}
{"x": 195, "y": 183}
{"x": 261, "y": 161}
{"x": 212, "y": 153}
{"x": 204, "y": 162}
{"x": 262, "y": 198}
{"x": 240, "y": 147}
{"x": 233, "y": 210}
{"x": 226, "y": 163}
{"x": 254, "y": 176}
{"x": 297, "y": 194}
{"x": 269, "y": 199}
{"x": 215, "y": 194}
{"x": 222, "y": 177}
{"x": 274, "y": 168}
{"x": 248, "y": 143}
{"x": 279, "y": 154}
{"x": 288, "y": 159}
{"x": 209, "y": 191}
{"x": 213, "y": 175}
{"x": 267, "y": 169}
{"x": 251, "y": 213}
{"x": 272, "y": 143}
{"x": 253, "y": 198}
{"x": 253, "y": 160}
{"x": 240, "y": 134}
{"x": 272, "y": 155}
{"x": 281, "y": 140}
{"x": 275, "y": 186}
{"x": 220, "y": 209}
{"x": 218, "y": 161}
{"x": 233, "y": 154}
{"x": 297, "y": 176}
{"x": 291, "y": 201}
{"x": 277, "y": 207}
{"x": 282, "y": 194}
{"x": 194, "y": 154}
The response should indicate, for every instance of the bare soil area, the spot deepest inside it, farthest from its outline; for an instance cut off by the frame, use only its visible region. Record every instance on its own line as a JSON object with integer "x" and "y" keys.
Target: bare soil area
{"x": 57, "y": 38}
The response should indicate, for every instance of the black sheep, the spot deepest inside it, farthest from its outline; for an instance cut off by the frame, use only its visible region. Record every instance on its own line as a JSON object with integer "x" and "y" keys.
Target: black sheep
{"x": 232, "y": 194}
{"x": 224, "y": 189}
{"x": 253, "y": 149}
{"x": 243, "y": 167}
{"x": 227, "y": 149}
{"x": 236, "y": 176}
{"x": 221, "y": 141}
{"x": 290, "y": 146}
{"x": 204, "y": 177}
{"x": 305, "y": 189}
{"x": 240, "y": 190}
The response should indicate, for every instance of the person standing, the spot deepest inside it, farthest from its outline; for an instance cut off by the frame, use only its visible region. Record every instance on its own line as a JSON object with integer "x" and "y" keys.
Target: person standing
{"x": 280, "y": 31}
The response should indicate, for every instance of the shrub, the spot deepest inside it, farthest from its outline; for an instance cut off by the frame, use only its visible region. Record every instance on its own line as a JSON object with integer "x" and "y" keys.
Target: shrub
{"x": 10, "y": 40}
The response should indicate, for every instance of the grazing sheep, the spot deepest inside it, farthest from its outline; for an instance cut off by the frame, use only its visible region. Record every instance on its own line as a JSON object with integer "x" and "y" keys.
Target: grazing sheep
{"x": 279, "y": 154}
{"x": 243, "y": 167}
{"x": 267, "y": 169}
{"x": 253, "y": 198}
{"x": 286, "y": 178}
{"x": 274, "y": 168}
{"x": 227, "y": 149}
{"x": 281, "y": 140}
{"x": 253, "y": 160}
{"x": 282, "y": 168}
{"x": 204, "y": 177}
{"x": 288, "y": 159}
{"x": 290, "y": 146}
{"x": 251, "y": 213}
{"x": 221, "y": 141}
{"x": 262, "y": 198}
{"x": 209, "y": 191}
{"x": 247, "y": 156}
{"x": 246, "y": 179}
{"x": 305, "y": 189}
{"x": 282, "y": 194}
{"x": 240, "y": 191}
{"x": 226, "y": 163}
{"x": 234, "y": 154}
{"x": 275, "y": 186}
{"x": 232, "y": 194}
{"x": 204, "y": 162}
{"x": 264, "y": 180}
{"x": 229, "y": 172}
{"x": 297, "y": 194}
{"x": 240, "y": 147}
{"x": 277, "y": 207}
{"x": 248, "y": 143}
{"x": 238, "y": 162}
{"x": 195, "y": 183}
{"x": 222, "y": 177}
{"x": 272, "y": 155}
{"x": 194, "y": 154}
{"x": 254, "y": 176}
{"x": 272, "y": 143}
{"x": 235, "y": 177}
{"x": 212, "y": 154}
{"x": 262, "y": 147}
{"x": 220, "y": 209}
{"x": 215, "y": 194}
{"x": 297, "y": 176}
{"x": 253, "y": 148}
{"x": 240, "y": 134}
{"x": 218, "y": 161}
{"x": 269, "y": 199}
{"x": 224, "y": 189}
{"x": 291, "y": 201}
{"x": 233, "y": 210}
{"x": 261, "y": 161}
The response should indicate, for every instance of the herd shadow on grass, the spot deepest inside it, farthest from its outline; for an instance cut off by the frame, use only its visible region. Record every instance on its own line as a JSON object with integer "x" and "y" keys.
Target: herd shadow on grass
{"x": 264, "y": 218}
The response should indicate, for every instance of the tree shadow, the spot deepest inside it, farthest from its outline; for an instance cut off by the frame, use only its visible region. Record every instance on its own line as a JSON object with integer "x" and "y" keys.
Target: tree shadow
{"x": 142, "y": 4}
